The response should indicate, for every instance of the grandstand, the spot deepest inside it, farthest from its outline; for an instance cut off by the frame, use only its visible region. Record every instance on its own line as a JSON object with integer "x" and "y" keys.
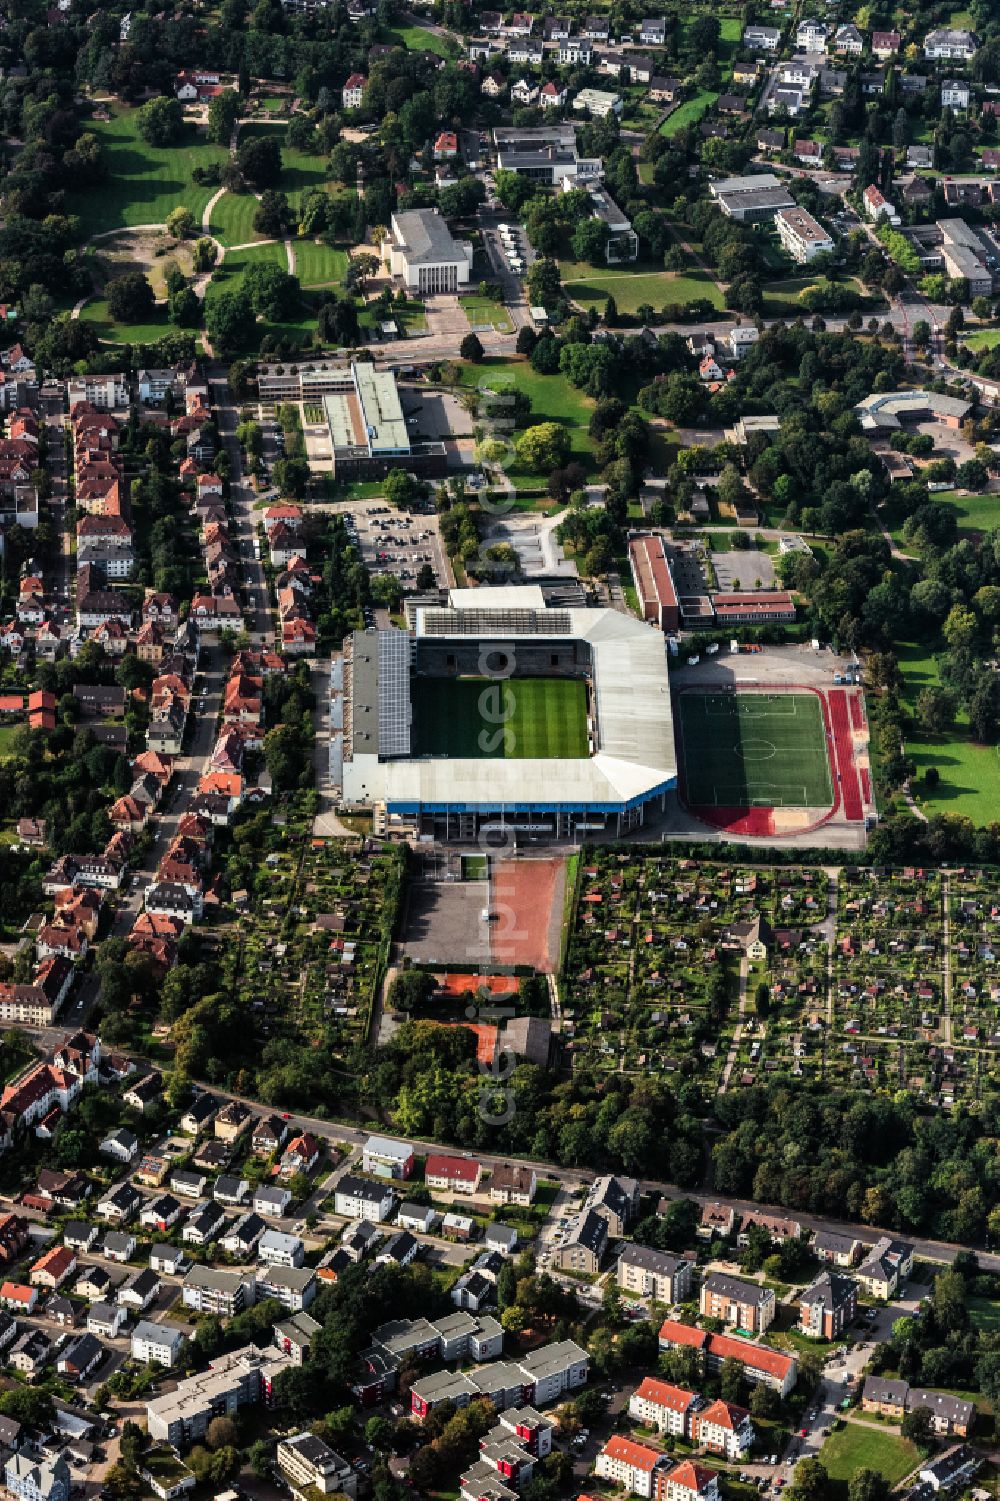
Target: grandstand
{"x": 497, "y": 712}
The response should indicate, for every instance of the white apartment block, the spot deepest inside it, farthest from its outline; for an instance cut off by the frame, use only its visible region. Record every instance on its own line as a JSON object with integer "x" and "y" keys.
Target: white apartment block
{"x": 801, "y": 235}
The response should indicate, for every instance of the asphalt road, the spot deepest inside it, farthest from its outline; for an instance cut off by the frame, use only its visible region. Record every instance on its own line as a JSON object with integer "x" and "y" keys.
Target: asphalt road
{"x": 925, "y": 1248}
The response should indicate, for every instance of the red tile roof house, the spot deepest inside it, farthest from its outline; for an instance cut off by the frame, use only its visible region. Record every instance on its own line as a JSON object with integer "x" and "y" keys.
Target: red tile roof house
{"x": 446, "y": 146}
{"x": 33, "y": 1094}
{"x": 17, "y": 1297}
{"x": 724, "y": 1428}
{"x": 458, "y": 1174}
{"x": 286, "y": 512}
{"x": 630, "y": 1464}
{"x": 688, "y": 1481}
{"x": 52, "y": 1269}
{"x": 661, "y": 1405}
{"x": 298, "y": 635}
{"x": 56, "y": 940}
{"x": 300, "y": 1156}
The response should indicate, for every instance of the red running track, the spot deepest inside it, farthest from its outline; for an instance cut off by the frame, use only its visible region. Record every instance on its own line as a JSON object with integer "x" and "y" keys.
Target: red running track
{"x": 857, "y": 712}
{"x": 840, "y": 722}
{"x": 866, "y": 785}
{"x": 759, "y": 821}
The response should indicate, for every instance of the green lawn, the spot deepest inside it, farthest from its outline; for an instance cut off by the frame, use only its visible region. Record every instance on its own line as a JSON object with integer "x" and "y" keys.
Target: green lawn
{"x": 984, "y": 339}
{"x": 854, "y": 1448}
{"x": 7, "y": 733}
{"x": 233, "y": 267}
{"x": 486, "y": 310}
{"x": 976, "y": 513}
{"x": 754, "y": 750}
{"x": 970, "y": 773}
{"x": 417, "y": 39}
{"x": 781, "y": 296}
{"x": 520, "y": 719}
{"x": 300, "y": 172}
{"x": 631, "y": 286}
{"x": 96, "y": 312}
{"x": 270, "y": 253}
{"x": 412, "y": 316}
{"x": 144, "y": 182}
{"x": 319, "y": 265}
{"x": 690, "y": 112}
{"x": 232, "y": 219}
{"x": 553, "y": 399}
{"x": 984, "y": 1314}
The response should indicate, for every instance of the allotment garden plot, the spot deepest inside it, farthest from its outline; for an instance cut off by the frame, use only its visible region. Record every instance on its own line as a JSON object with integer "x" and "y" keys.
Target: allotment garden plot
{"x": 653, "y": 962}
{"x": 315, "y": 952}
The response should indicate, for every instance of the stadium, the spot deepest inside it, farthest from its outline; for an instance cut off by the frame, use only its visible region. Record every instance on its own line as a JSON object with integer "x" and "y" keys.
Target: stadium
{"x": 498, "y": 712}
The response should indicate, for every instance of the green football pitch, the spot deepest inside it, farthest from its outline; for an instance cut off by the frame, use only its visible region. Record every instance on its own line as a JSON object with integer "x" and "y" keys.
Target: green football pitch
{"x": 746, "y": 750}
{"x": 509, "y": 719}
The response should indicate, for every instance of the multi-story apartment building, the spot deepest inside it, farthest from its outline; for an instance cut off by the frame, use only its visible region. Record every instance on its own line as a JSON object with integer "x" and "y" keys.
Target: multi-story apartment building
{"x": 209, "y": 1289}
{"x": 747, "y": 1305}
{"x": 654, "y": 1274}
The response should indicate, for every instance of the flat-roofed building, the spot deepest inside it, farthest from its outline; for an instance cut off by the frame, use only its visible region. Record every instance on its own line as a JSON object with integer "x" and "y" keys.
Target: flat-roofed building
{"x": 597, "y": 102}
{"x": 368, "y": 433}
{"x": 623, "y": 242}
{"x": 420, "y": 250}
{"x": 965, "y": 256}
{"x": 750, "y": 200}
{"x": 312, "y": 1466}
{"x": 890, "y": 409}
{"x": 236, "y": 1380}
{"x": 764, "y": 606}
{"x": 545, "y": 153}
{"x": 802, "y": 235}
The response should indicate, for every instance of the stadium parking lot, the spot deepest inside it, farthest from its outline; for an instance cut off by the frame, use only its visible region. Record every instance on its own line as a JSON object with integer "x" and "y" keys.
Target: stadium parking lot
{"x": 398, "y": 542}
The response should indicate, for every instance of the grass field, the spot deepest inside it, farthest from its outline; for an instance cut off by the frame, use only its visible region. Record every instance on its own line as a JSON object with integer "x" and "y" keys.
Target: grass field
{"x": 540, "y": 718}
{"x": 7, "y": 735}
{"x": 984, "y": 1314}
{"x": 970, "y": 773}
{"x": 984, "y": 339}
{"x": 976, "y": 513}
{"x": 631, "y": 286}
{"x": 418, "y": 39}
{"x": 319, "y": 265}
{"x": 234, "y": 266}
{"x": 854, "y": 1448}
{"x": 232, "y": 219}
{"x": 781, "y": 296}
{"x": 96, "y": 312}
{"x": 300, "y": 172}
{"x": 144, "y": 182}
{"x": 552, "y": 399}
{"x": 754, "y": 750}
{"x": 689, "y": 113}
{"x": 481, "y": 311}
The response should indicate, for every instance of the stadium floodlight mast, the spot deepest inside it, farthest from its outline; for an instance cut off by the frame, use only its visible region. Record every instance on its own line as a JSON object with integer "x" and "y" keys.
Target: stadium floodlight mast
{"x": 496, "y": 707}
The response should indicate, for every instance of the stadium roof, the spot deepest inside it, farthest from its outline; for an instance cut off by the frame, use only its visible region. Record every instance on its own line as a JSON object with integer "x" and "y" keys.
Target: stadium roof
{"x": 635, "y": 758}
